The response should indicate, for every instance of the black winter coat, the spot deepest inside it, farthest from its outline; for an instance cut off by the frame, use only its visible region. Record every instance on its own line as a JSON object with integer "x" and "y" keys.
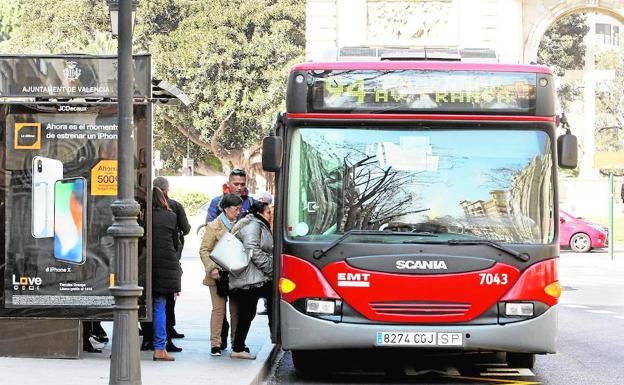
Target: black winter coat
{"x": 166, "y": 270}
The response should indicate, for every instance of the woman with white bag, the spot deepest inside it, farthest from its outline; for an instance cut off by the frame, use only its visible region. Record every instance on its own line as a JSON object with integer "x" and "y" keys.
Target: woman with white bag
{"x": 254, "y": 281}
{"x": 230, "y": 206}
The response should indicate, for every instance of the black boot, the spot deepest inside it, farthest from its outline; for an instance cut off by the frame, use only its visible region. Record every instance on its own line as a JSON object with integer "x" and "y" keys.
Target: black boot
{"x": 171, "y": 348}
{"x": 225, "y": 328}
{"x": 172, "y": 333}
{"x": 147, "y": 345}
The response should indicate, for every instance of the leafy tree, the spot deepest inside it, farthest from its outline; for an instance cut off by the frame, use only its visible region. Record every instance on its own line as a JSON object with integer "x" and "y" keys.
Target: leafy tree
{"x": 9, "y": 17}
{"x": 562, "y": 46}
{"x": 232, "y": 59}
{"x": 610, "y": 106}
{"x": 57, "y": 26}
{"x": 157, "y": 17}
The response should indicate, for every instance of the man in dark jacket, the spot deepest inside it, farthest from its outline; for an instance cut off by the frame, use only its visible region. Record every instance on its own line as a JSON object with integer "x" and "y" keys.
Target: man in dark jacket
{"x": 182, "y": 228}
{"x": 236, "y": 184}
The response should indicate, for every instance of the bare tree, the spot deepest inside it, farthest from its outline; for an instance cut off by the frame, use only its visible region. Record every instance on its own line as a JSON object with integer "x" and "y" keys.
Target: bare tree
{"x": 372, "y": 195}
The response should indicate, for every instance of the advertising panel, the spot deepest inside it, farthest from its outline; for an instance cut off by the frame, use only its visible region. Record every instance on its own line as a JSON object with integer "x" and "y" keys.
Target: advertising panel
{"x": 58, "y": 178}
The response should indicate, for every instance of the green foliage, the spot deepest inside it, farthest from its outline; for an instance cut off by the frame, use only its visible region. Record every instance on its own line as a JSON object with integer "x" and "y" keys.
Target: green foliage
{"x": 102, "y": 44}
{"x": 190, "y": 200}
{"x": 232, "y": 58}
{"x": 156, "y": 17}
{"x": 9, "y": 17}
{"x": 569, "y": 173}
{"x": 610, "y": 106}
{"x": 57, "y": 26}
{"x": 567, "y": 93}
{"x": 562, "y": 46}
{"x": 173, "y": 145}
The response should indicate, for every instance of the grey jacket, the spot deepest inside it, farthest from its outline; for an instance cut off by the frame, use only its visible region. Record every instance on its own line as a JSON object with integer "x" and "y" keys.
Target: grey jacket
{"x": 258, "y": 241}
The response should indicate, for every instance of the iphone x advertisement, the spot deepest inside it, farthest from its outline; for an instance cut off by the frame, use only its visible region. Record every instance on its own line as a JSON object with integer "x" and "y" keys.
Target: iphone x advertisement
{"x": 56, "y": 190}
{"x": 69, "y": 212}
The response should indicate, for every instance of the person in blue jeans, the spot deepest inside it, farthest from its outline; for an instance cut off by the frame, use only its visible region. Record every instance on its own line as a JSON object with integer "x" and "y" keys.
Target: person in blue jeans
{"x": 166, "y": 269}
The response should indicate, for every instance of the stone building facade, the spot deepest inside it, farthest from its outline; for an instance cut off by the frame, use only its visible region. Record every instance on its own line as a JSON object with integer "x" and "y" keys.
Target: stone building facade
{"x": 510, "y": 28}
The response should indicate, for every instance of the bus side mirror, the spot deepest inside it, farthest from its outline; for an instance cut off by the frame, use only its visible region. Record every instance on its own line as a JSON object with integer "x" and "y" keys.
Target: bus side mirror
{"x": 272, "y": 153}
{"x": 567, "y": 151}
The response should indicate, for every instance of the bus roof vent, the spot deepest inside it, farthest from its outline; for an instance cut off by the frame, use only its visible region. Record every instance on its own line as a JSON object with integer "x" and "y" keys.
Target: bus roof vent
{"x": 426, "y": 53}
{"x": 479, "y": 54}
{"x": 364, "y": 53}
{"x": 358, "y": 52}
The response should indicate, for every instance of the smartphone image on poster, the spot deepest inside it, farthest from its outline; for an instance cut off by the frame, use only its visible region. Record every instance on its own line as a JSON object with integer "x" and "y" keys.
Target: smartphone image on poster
{"x": 69, "y": 220}
{"x": 45, "y": 173}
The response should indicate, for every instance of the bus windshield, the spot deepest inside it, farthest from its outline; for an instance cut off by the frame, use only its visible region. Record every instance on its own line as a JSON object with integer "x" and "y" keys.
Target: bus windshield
{"x": 455, "y": 183}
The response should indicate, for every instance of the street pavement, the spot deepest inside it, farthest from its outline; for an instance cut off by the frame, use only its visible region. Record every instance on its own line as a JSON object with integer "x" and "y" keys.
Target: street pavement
{"x": 193, "y": 366}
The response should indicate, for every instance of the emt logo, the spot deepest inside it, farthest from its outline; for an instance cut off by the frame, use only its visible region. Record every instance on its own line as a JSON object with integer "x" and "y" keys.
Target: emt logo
{"x": 26, "y": 283}
{"x": 353, "y": 279}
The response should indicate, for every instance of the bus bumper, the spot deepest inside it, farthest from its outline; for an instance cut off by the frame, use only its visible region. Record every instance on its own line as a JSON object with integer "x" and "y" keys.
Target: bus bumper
{"x": 302, "y": 332}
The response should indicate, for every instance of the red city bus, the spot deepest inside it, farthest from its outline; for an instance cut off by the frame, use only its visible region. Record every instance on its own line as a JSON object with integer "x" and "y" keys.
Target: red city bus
{"x": 416, "y": 208}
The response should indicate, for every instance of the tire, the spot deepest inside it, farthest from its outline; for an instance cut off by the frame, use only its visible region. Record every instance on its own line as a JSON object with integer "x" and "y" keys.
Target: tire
{"x": 201, "y": 230}
{"x": 305, "y": 361}
{"x": 520, "y": 360}
{"x": 581, "y": 243}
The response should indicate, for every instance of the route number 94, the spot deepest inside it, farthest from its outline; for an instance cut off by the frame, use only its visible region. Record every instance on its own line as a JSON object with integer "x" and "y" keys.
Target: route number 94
{"x": 493, "y": 279}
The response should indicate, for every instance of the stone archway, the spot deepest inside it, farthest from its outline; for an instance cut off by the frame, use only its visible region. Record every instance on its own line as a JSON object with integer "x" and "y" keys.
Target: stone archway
{"x": 537, "y": 16}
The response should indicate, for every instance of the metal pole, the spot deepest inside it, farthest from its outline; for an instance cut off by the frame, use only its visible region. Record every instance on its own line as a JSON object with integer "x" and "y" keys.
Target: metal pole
{"x": 610, "y": 238}
{"x": 125, "y": 367}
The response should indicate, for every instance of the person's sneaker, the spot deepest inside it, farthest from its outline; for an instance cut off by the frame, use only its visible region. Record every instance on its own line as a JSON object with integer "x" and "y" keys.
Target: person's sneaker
{"x": 215, "y": 351}
{"x": 95, "y": 343}
{"x": 242, "y": 355}
{"x": 100, "y": 338}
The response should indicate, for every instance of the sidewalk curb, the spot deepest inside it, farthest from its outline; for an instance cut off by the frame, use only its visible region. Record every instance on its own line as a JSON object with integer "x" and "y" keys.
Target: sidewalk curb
{"x": 272, "y": 351}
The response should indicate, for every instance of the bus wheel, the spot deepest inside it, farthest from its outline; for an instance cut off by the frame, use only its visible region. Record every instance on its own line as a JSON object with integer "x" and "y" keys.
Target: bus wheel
{"x": 305, "y": 361}
{"x": 521, "y": 360}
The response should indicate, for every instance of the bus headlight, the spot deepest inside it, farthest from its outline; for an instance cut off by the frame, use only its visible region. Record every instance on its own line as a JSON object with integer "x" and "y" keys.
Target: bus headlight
{"x": 553, "y": 289}
{"x": 519, "y": 309}
{"x": 286, "y": 285}
{"x": 318, "y": 306}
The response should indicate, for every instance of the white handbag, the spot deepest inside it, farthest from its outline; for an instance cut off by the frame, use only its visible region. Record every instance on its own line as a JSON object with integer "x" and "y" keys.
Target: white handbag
{"x": 229, "y": 253}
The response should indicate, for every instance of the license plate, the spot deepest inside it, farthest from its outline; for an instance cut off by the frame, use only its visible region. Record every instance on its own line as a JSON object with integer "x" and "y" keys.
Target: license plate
{"x": 419, "y": 339}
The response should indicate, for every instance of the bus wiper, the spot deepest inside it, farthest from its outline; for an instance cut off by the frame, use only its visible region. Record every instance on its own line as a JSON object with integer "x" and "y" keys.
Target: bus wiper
{"x": 524, "y": 257}
{"x": 318, "y": 254}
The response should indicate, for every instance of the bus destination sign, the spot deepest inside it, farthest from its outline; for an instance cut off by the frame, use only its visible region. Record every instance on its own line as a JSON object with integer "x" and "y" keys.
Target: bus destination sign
{"x": 423, "y": 90}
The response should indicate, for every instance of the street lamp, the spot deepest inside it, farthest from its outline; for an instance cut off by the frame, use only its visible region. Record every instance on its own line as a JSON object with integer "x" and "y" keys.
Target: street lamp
{"x": 113, "y": 9}
{"x": 125, "y": 366}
